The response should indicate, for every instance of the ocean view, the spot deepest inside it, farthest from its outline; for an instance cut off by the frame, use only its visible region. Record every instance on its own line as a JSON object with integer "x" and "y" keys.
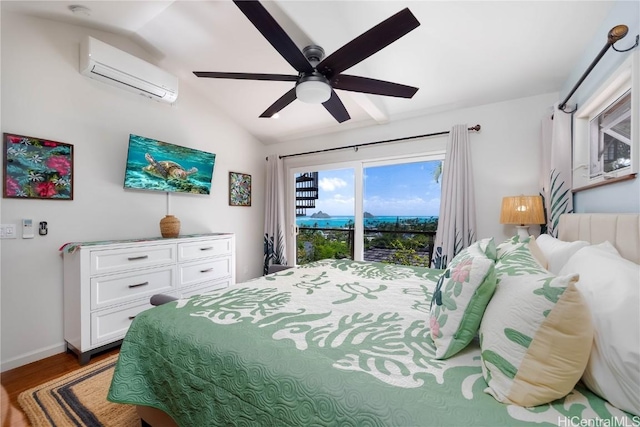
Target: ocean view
{"x": 342, "y": 221}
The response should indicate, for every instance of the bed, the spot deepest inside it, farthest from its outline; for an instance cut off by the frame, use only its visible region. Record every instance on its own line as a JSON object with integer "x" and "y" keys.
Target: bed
{"x": 336, "y": 342}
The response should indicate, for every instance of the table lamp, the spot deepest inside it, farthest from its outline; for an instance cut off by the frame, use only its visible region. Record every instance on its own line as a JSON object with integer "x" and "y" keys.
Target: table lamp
{"x": 522, "y": 211}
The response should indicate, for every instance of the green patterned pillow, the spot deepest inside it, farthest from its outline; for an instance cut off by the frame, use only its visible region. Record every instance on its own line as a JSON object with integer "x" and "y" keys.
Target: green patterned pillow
{"x": 510, "y": 245}
{"x": 461, "y": 296}
{"x": 485, "y": 247}
{"x": 513, "y": 250}
{"x": 536, "y": 333}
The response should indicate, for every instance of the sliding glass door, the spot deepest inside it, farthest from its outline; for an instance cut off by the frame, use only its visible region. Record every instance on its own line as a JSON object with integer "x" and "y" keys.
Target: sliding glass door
{"x": 401, "y": 205}
{"x": 371, "y": 210}
{"x": 324, "y": 214}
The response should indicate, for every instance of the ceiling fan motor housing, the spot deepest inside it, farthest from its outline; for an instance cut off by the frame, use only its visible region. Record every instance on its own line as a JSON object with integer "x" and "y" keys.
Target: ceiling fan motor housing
{"x": 314, "y": 54}
{"x": 314, "y": 87}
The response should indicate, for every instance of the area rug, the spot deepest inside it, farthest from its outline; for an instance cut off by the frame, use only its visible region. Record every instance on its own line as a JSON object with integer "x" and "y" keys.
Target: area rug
{"x": 78, "y": 399}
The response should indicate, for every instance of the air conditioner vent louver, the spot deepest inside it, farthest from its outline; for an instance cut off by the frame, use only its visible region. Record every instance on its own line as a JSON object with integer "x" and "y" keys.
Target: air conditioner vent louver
{"x": 107, "y": 64}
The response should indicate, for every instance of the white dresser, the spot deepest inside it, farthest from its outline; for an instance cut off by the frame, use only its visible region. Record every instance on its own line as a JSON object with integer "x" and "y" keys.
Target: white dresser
{"x": 106, "y": 284}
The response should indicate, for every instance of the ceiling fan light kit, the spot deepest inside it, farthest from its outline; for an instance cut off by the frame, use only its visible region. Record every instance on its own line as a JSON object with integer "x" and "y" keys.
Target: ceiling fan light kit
{"x": 313, "y": 90}
{"x": 319, "y": 76}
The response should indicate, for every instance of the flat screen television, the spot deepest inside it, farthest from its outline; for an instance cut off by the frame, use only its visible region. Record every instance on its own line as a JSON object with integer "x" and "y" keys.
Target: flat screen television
{"x": 160, "y": 166}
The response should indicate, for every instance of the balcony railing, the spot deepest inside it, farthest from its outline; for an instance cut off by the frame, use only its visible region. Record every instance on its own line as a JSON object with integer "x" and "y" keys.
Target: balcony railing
{"x": 409, "y": 247}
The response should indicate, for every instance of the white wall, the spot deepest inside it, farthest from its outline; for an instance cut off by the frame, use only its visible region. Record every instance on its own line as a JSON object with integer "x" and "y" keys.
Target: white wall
{"x": 43, "y": 95}
{"x": 505, "y": 153}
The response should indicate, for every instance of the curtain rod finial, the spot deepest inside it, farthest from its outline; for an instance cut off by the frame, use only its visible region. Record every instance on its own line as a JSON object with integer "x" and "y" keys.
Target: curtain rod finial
{"x": 618, "y": 32}
{"x": 476, "y": 128}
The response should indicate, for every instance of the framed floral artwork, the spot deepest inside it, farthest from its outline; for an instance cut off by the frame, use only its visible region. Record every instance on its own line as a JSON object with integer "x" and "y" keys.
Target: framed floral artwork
{"x": 36, "y": 168}
{"x": 239, "y": 189}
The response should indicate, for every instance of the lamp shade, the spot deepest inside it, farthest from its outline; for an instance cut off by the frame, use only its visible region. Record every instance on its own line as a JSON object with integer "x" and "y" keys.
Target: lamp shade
{"x": 522, "y": 210}
{"x": 313, "y": 91}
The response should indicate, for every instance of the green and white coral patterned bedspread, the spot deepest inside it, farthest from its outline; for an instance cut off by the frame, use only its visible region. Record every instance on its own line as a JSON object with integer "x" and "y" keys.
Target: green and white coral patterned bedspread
{"x": 333, "y": 343}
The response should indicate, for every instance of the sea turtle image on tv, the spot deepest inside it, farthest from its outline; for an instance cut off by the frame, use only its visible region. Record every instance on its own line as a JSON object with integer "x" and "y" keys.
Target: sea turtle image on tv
{"x": 166, "y": 169}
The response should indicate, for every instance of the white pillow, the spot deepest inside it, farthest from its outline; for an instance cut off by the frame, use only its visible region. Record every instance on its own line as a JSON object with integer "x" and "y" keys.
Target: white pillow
{"x": 558, "y": 252}
{"x": 610, "y": 285}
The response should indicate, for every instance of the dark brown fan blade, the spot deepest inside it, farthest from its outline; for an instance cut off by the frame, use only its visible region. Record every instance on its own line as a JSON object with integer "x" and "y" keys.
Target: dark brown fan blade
{"x": 376, "y": 87}
{"x": 284, "y": 100}
{"x": 336, "y": 108}
{"x": 273, "y": 32}
{"x": 246, "y": 76}
{"x": 368, "y": 43}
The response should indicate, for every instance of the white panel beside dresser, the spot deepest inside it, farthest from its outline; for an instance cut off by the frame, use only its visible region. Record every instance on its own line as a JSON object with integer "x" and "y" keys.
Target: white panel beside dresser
{"x": 106, "y": 284}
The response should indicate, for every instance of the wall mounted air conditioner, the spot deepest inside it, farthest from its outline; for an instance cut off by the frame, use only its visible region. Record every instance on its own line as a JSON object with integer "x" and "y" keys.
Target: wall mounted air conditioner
{"x": 107, "y": 64}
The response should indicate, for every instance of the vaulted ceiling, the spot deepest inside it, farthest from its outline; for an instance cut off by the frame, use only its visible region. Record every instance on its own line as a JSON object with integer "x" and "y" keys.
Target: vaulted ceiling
{"x": 464, "y": 53}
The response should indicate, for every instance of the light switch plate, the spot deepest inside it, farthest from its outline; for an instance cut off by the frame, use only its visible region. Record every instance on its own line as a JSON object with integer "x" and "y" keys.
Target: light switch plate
{"x": 8, "y": 231}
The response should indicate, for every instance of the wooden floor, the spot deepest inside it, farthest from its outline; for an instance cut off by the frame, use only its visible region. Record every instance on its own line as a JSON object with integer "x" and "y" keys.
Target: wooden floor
{"x": 15, "y": 381}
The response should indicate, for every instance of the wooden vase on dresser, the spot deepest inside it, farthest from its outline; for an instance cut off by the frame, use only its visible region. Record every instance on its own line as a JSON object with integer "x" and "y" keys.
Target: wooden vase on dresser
{"x": 106, "y": 284}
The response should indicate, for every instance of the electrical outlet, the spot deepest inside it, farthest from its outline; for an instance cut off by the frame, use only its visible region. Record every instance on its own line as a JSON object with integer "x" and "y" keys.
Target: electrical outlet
{"x": 8, "y": 231}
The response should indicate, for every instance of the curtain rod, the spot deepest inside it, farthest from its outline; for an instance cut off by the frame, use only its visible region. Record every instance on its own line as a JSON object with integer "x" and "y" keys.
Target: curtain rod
{"x": 356, "y": 146}
{"x": 616, "y": 33}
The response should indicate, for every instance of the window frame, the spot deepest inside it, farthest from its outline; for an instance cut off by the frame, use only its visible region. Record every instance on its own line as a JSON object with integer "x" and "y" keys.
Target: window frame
{"x": 624, "y": 79}
{"x": 597, "y": 131}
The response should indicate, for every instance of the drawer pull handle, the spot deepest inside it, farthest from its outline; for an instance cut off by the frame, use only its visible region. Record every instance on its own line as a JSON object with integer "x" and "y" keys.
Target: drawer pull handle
{"x": 208, "y": 248}
{"x": 139, "y": 284}
{"x": 136, "y": 258}
{"x": 132, "y": 317}
{"x": 206, "y": 270}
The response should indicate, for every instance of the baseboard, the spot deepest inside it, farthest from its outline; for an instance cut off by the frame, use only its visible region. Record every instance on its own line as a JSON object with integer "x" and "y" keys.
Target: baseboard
{"x": 33, "y": 356}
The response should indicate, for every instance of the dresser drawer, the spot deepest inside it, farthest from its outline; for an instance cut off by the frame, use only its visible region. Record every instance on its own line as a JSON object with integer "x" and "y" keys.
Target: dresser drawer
{"x": 204, "y": 249}
{"x": 111, "y": 325}
{"x": 126, "y": 287}
{"x": 114, "y": 260}
{"x": 202, "y": 271}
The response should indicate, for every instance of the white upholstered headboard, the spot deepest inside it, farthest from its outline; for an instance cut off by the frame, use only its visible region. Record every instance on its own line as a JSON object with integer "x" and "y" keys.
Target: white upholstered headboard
{"x": 622, "y": 230}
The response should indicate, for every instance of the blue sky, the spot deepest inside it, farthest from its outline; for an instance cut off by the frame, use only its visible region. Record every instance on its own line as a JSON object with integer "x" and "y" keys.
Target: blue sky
{"x": 399, "y": 190}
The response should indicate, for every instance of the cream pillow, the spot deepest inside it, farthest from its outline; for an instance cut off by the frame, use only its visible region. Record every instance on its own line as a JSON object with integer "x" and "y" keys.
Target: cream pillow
{"x": 558, "y": 252}
{"x": 610, "y": 285}
{"x": 536, "y": 333}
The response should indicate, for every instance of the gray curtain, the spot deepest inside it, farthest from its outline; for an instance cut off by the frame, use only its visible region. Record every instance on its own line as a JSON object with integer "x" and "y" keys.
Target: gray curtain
{"x": 457, "y": 218}
{"x": 275, "y": 248}
{"x": 556, "y": 173}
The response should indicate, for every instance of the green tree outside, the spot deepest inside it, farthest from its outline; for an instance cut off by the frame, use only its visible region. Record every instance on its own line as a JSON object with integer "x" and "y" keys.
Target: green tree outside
{"x": 313, "y": 245}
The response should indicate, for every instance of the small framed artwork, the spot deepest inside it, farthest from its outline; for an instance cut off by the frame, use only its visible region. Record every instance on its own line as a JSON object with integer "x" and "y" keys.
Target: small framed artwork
{"x": 239, "y": 189}
{"x": 36, "y": 168}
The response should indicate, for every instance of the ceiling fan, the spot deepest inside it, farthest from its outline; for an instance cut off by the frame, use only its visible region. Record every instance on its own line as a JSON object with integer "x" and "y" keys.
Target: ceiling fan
{"x": 318, "y": 75}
